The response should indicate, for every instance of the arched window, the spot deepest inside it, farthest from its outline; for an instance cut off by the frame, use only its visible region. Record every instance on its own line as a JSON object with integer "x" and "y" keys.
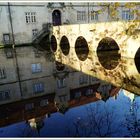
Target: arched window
{"x": 56, "y": 17}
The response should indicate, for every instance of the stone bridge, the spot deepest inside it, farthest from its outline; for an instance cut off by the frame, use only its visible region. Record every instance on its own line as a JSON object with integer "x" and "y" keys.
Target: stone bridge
{"x": 100, "y": 50}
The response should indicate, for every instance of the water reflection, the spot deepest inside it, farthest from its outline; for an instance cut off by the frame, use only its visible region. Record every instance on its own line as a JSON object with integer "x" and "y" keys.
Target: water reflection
{"x": 87, "y": 117}
{"x": 36, "y": 123}
{"x": 67, "y": 102}
{"x": 47, "y": 104}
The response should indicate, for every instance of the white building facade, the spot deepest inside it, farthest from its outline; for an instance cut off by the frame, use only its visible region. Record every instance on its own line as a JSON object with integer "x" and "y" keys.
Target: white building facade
{"x": 23, "y": 20}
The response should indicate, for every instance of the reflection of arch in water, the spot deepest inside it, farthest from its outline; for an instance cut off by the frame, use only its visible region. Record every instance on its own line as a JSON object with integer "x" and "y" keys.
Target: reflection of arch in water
{"x": 64, "y": 45}
{"x": 81, "y": 48}
{"x": 53, "y": 43}
{"x": 108, "y": 53}
{"x": 59, "y": 66}
{"x": 137, "y": 60}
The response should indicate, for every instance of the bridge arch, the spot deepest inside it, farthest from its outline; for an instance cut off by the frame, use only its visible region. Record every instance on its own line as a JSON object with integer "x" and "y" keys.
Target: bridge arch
{"x": 137, "y": 59}
{"x": 53, "y": 43}
{"x": 81, "y": 48}
{"x": 107, "y": 44}
{"x": 108, "y": 53}
{"x": 64, "y": 45}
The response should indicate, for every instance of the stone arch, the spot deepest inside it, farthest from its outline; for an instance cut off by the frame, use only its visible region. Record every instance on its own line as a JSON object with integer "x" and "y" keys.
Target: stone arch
{"x": 64, "y": 45}
{"x": 107, "y": 44}
{"x": 53, "y": 43}
{"x": 108, "y": 53}
{"x": 81, "y": 48}
{"x": 137, "y": 59}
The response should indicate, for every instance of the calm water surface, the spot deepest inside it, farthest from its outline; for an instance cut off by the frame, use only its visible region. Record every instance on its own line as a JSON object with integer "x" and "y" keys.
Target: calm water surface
{"x": 96, "y": 109}
{"x": 112, "y": 118}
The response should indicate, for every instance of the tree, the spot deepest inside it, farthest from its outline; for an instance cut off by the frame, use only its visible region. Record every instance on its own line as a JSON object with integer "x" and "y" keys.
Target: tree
{"x": 113, "y": 9}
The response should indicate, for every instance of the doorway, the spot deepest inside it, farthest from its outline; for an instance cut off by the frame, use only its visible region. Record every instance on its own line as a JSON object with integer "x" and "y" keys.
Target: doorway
{"x": 56, "y": 17}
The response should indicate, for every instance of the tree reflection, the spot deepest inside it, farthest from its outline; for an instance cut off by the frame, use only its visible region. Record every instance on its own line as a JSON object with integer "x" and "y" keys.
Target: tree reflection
{"x": 132, "y": 121}
{"x": 99, "y": 122}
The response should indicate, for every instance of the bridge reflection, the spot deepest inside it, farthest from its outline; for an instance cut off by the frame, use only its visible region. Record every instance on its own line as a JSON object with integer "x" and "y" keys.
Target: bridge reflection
{"x": 109, "y": 66}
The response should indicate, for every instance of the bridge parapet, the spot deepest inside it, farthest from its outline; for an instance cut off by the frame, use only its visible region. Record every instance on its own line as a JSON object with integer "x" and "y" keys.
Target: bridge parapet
{"x": 126, "y": 34}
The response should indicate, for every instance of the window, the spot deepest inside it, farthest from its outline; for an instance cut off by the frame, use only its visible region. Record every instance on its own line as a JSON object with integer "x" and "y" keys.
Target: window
{"x": 6, "y": 38}
{"x": 44, "y": 102}
{"x": 94, "y": 79}
{"x": 94, "y": 15}
{"x": 81, "y": 15}
{"x": 77, "y": 95}
{"x": 34, "y": 32}
{"x": 62, "y": 98}
{"x": 61, "y": 83}
{"x": 4, "y": 95}
{"x": 38, "y": 87}
{"x": 89, "y": 92}
{"x": 83, "y": 79}
{"x": 37, "y": 53}
{"x": 30, "y": 17}
{"x": 8, "y": 52}
{"x": 2, "y": 73}
{"x": 105, "y": 89}
{"x": 127, "y": 15}
{"x": 29, "y": 106}
{"x": 36, "y": 68}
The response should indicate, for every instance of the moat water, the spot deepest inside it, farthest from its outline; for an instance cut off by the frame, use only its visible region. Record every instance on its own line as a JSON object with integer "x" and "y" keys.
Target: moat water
{"x": 92, "y": 110}
{"x": 115, "y": 117}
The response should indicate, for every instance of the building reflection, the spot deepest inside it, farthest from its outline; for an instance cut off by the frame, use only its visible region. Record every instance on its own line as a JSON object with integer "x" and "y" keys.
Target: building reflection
{"x": 33, "y": 109}
{"x": 48, "y": 86}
